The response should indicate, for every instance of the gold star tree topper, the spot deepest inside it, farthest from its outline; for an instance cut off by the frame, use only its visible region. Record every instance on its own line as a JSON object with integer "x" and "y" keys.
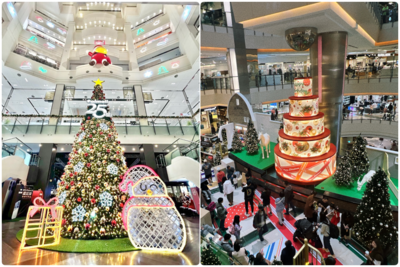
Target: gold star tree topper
{"x": 98, "y": 82}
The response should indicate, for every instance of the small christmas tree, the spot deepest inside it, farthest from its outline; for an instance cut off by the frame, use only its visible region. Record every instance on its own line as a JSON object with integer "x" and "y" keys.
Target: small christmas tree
{"x": 374, "y": 218}
{"x": 88, "y": 189}
{"x": 358, "y": 158}
{"x": 343, "y": 171}
{"x": 209, "y": 258}
{"x": 217, "y": 158}
{"x": 251, "y": 139}
{"x": 237, "y": 144}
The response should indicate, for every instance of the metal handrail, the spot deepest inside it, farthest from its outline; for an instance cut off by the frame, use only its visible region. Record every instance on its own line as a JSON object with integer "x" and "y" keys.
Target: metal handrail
{"x": 302, "y": 256}
{"x": 221, "y": 252}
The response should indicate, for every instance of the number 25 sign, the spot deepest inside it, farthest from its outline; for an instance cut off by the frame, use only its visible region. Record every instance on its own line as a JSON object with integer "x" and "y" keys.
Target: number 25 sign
{"x": 98, "y": 109}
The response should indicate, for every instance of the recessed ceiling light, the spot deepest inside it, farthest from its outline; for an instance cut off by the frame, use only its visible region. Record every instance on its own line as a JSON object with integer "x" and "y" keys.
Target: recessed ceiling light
{"x": 174, "y": 145}
{"x": 62, "y": 149}
{"x": 167, "y": 150}
{"x": 156, "y": 145}
{"x": 133, "y": 148}
{"x": 172, "y": 83}
{"x": 40, "y": 145}
{"x": 28, "y": 150}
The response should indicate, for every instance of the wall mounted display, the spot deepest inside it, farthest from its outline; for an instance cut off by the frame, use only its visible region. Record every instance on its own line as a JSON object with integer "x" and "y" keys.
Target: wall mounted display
{"x": 304, "y": 154}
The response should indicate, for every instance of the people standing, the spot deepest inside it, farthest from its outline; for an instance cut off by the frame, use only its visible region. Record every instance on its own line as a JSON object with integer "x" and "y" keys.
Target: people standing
{"x": 221, "y": 214}
{"x": 288, "y": 192}
{"x": 205, "y": 190}
{"x": 376, "y": 255}
{"x": 220, "y": 175}
{"x": 280, "y": 205}
{"x": 226, "y": 244}
{"x": 325, "y": 232}
{"x": 229, "y": 172}
{"x": 228, "y": 190}
{"x": 248, "y": 197}
{"x": 206, "y": 168}
{"x": 212, "y": 129}
{"x": 235, "y": 181}
{"x": 248, "y": 174}
{"x": 259, "y": 222}
{"x": 336, "y": 216}
{"x": 260, "y": 260}
{"x": 236, "y": 228}
{"x": 390, "y": 108}
{"x": 240, "y": 254}
{"x": 266, "y": 198}
{"x": 346, "y": 224}
{"x": 309, "y": 210}
{"x": 288, "y": 253}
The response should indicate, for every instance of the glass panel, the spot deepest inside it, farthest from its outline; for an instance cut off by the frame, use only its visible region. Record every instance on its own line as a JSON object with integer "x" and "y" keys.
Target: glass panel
{"x": 49, "y": 129}
{"x": 30, "y": 101}
{"x": 62, "y": 129}
{"x": 147, "y": 130}
{"x": 133, "y": 130}
{"x": 34, "y": 129}
{"x": 162, "y": 130}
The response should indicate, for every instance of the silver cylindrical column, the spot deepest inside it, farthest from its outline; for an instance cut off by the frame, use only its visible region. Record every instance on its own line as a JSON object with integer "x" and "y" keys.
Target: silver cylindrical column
{"x": 328, "y": 57}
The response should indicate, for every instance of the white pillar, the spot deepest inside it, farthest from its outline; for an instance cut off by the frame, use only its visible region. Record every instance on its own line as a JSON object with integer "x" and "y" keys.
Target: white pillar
{"x": 140, "y": 104}
{"x": 133, "y": 63}
{"x": 68, "y": 46}
{"x": 187, "y": 42}
{"x": 57, "y": 102}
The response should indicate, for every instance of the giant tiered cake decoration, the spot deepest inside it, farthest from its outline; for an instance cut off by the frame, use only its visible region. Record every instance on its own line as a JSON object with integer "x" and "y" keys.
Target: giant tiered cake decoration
{"x": 305, "y": 154}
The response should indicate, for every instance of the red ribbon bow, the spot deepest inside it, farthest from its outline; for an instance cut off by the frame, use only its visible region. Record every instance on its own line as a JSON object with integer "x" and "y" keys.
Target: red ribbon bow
{"x": 44, "y": 204}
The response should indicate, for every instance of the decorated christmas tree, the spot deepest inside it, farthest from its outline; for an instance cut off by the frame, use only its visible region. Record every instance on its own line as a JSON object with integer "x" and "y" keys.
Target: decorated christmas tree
{"x": 209, "y": 258}
{"x": 251, "y": 138}
{"x": 236, "y": 143}
{"x": 358, "y": 158}
{"x": 88, "y": 189}
{"x": 217, "y": 158}
{"x": 343, "y": 171}
{"x": 373, "y": 218}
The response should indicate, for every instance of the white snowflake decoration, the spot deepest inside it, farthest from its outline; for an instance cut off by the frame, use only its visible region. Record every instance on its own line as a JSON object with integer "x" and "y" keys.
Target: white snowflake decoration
{"x": 103, "y": 126}
{"x": 78, "y": 167}
{"x": 81, "y": 136}
{"x": 106, "y": 199}
{"x": 62, "y": 197}
{"x": 78, "y": 214}
{"x": 112, "y": 169}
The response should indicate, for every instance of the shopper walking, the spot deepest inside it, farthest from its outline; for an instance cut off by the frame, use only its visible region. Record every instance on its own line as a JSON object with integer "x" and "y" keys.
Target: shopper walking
{"x": 228, "y": 190}
{"x": 248, "y": 197}
{"x": 221, "y": 214}
{"x": 325, "y": 232}
{"x": 266, "y": 198}
{"x": 220, "y": 175}
{"x": 288, "y": 253}
{"x": 288, "y": 192}
{"x": 346, "y": 224}
{"x": 207, "y": 169}
{"x": 280, "y": 205}
{"x": 235, "y": 228}
{"x": 259, "y": 222}
{"x": 229, "y": 172}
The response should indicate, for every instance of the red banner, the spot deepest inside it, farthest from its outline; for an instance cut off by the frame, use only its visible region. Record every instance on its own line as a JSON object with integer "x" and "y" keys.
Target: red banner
{"x": 195, "y": 197}
{"x": 99, "y": 42}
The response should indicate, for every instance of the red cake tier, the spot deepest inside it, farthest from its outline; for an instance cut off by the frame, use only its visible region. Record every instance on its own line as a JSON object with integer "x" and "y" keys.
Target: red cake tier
{"x": 302, "y": 86}
{"x": 304, "y": 146}
{"x": 300, "y": 170}
{"x": 303, "y": 126}
{"x": 303, "y": 106}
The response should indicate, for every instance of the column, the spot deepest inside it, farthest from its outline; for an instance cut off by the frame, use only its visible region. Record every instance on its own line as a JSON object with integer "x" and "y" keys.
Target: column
{"x": 64, "y": 64}
{"x": 133, "y": 64}
{"x": 147, "y": 156}
{"x": 57, "y": 102}
{"x": 47, "y": 159}
{"x": 140, "y": 104}
{"x": 187, "y": 42}
{"x": 328, "y": 59}
{"x": 236, "y": 57}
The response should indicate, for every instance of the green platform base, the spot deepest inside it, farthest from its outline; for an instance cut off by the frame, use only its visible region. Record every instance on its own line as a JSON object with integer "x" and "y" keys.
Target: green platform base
{"x": 351, "y": 191}
{"x": 256, "y": 159}
{"x": 85, "y": 246}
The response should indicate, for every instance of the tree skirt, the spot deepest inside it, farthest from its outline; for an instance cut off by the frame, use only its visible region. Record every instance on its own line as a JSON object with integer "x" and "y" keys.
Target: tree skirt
{"x": 85, "y": 246}
{"x": 240, "y": 210}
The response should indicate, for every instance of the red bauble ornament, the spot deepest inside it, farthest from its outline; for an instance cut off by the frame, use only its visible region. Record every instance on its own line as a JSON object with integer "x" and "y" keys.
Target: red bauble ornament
{"x": 117, "y": 152}
{"x": 91, "y": 147}
{"x": 76, "y": 173}
{"x": 121, "y": 176}
{"x": 80, "y": 143}
{"x": 62, "y": 182}
{"x": 67, "y": 187}
{"x": 93, "y": 200}
{"x": 76, "y": 152}
{"x": 97, "y": 187}
{"x": 72, "y": 183}
{"x": 68, "y": 163}
{"x": 79, "y": 199}
{"x": 119, "y": 142}
{"x": 77, "y": 134}
{"x": 108, "y": 150}
{"x": 109, "y": 135}
{"x": 97, "y": 125}
{"x": 63, "y": 206}
{"x": 86, "y": 154}
{"x": 90, "y": 136}
{"x": 71, "y": 175}
{"x": 117, "y": 160}
{"x": 88, "y": 118}
{"x": 113, "y": 222}
{"x": 121, "y": 204}
{"x": 87, "y": 226}
{"x": 88, "y": 165}
{"x": 101, "y": 133}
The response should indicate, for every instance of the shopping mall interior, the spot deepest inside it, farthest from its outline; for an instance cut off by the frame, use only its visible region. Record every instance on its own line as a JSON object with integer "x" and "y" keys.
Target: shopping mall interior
{"x": 299, "y": 125}
{"x": 109, "y": 89}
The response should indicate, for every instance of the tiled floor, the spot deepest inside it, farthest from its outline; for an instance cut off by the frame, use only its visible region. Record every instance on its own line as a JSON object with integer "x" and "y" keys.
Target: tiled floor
{"x": 12, "y": 256}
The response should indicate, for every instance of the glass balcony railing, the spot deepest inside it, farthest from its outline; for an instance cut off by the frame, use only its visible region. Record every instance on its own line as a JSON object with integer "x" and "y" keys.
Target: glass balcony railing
{"x": 124, "y": 125}
{"x": 180, "y": 147}
{"x": 15, "y": 147}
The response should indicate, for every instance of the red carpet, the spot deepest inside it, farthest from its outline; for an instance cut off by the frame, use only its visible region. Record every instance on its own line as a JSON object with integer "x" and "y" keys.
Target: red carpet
{"x": 288, "y": 228}
{"x": 238, "y": 209}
